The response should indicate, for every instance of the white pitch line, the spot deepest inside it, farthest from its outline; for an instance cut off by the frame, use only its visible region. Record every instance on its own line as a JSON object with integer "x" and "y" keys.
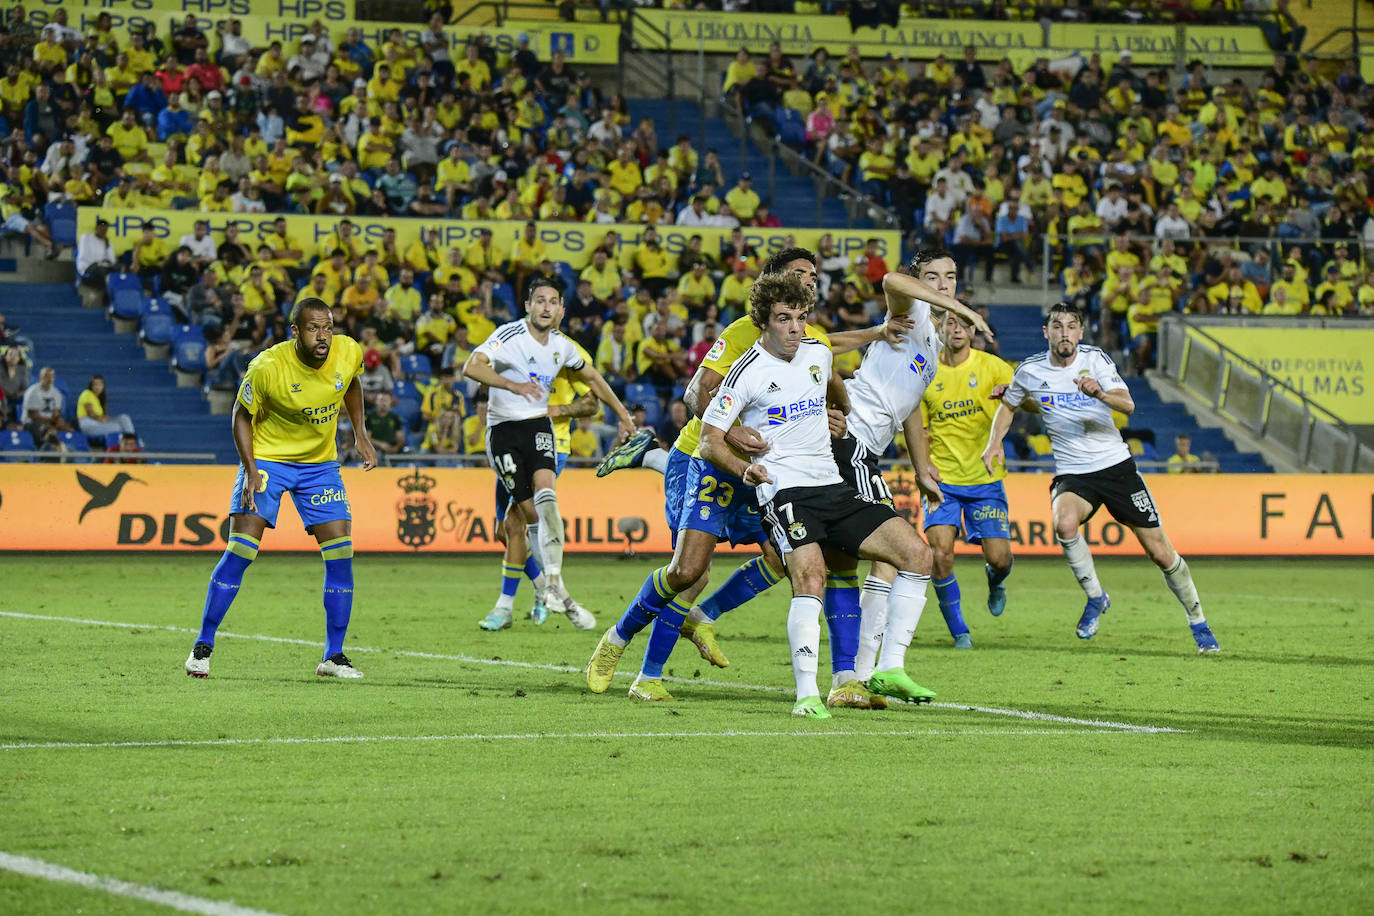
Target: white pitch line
{"x": 37, "y": 868}
{"x": 564, "y": 736}
{"x": 568, "y": 669}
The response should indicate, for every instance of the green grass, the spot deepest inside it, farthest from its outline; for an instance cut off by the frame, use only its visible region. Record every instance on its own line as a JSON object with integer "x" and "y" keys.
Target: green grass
{"x": 1261, "y": 803}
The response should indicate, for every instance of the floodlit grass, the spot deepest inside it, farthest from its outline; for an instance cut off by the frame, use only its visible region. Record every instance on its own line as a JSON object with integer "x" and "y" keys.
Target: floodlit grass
{"x": 509, "y": 788}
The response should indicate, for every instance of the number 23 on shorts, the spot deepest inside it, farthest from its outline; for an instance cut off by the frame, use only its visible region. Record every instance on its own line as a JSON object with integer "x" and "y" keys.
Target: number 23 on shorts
{"x": 718, "y": 491}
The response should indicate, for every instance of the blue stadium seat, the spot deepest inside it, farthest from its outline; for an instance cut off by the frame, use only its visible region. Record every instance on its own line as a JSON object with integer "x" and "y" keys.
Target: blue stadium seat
{"x": 126, "y": 300}
{"x": 74, "y": 441}
{"x": 640, "y": 393}
{"x": 408, "y": 408}
{"x": 791, "y": 127}
{"x": 568, "y": 276}
{"x": 188, "y": 349}
{"x": 405, "y": 389}
{"x": 15, "y": 440}
{"x": 415, "y": 366}
{"x": 122, "y": 279}
{"x": 506, "y": 294}
{"x": 679, "y": 391}
{"x": 111, "y": 440}
{"x": 157, "y": 325}
{"x": 60, "y": 215}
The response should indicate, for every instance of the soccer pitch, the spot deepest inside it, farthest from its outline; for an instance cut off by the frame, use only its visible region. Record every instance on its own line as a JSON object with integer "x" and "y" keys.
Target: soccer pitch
{"x": 473, "y": 772}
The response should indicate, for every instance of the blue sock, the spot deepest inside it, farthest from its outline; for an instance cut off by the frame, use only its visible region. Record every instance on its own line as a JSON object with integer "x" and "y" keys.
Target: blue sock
{"x": 225, "y": 582}
{"x": 842, "y": 619}
{"x": 338, "y": 591}
{"x": 994, "y": 577}
{"x": 667, "y": 628}
{"x": 510, "y": 579}
{"x": 947, "y": 590}
{"x": 532, "y": 570}
{"x": 653, "y": 595}
{"x": 753, "y": 578}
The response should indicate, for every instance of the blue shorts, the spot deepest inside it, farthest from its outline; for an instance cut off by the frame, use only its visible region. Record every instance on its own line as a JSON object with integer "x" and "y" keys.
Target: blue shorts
{"x": 675, "y": 489}
{"x": 316, "y": 489}
{"x": 983, "y": 508}
{"x": 721, "y": 504}
{"x": 503, "y": 497}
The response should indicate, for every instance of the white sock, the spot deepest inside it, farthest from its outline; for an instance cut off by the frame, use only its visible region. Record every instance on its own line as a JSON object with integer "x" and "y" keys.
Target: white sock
{"x": 505, "y": 602}
{"x": 904, "y": 606}
{"x": 614, "y": 639}
{"x": 1081, "y": 562}
{"x": 697, "y": 615}
{"x": 804, "y": 639}
{"x": 550, "y": 536}
{"x": 532, "y": 538}
{"x": 842, "y": 677}
{"x": 1180, "y": 582}
{"x": 656, "y": 459}
{"x": 872, "y": 620}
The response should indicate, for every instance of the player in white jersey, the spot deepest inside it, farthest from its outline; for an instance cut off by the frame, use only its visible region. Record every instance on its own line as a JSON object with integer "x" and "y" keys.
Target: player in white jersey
{"x": 781, "y": 387}
{"x": 884, "y": 395}
{"x": 519, "y": 362}
{"x": 1076, "y": 387}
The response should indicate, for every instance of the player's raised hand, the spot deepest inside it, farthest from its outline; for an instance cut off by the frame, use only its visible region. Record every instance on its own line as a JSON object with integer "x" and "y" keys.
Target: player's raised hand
{"x": 530, "y": 390}
{"x": 366, "y": 451}
{"x": 997, "y": 391}
{"x": 838, "y": 424}
{"x": 756, "y": 474}
{"x": 895, "y": 329}
{"x": 1089, "y": 386}
{"x": 747, "y": 441}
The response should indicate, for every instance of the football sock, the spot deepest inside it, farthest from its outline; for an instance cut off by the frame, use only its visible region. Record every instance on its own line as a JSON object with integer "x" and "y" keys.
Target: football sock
{"x": 872, "y": 620}
{"x": 947, "y": 591}
{"x": 842, "y": 619}
{"x": 550, "y": 537}
{"x": 996, "y": 578}
{"x": 338, "y": 591}
{"x": 532, "y": 568}
{"x": 1081, "y": 562}
{"x": 804, "y": 639}
{"x": 225, "y": 582}
{"x": 662, "y": 637}
{"x": 510, "y": 584}
{"x": 751, "y": 579}
{"x": 904, "y": 606}
{"x": 532, "y": 540}
{"x": 653, "y": 597}
{"x": 1180, "y": 581}
{"x": 655, "y": 459}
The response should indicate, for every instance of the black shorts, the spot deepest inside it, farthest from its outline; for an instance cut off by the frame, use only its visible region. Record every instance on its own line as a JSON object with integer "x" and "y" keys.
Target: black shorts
{"x": 1120, "y": 488}
{"x": 835, "y": 516}
{"x": 518, "y": 448}
{"x": 859, "y": 468}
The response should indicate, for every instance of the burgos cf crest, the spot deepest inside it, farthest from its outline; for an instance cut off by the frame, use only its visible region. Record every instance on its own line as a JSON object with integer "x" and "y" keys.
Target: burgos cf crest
{"x": 816, "y": 375}
{"x": 415, "y": 511}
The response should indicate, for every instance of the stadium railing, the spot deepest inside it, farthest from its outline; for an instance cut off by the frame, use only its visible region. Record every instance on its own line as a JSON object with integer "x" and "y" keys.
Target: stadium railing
{"x": 1240, "y": 390}
{"x": 73, "y": 457}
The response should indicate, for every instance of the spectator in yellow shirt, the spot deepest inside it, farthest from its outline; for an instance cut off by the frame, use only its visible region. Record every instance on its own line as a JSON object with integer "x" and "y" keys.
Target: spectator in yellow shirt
{"x": 624, "y": 172}
{"x": 359, "y": 297}
{"x": 525, "y": 256}
{"x": 743, "y": 199}
{"x": 652, "y": 263}
{"x": 603, "y": 276}
{"x": 696, "y": 288}
{"x": 335, "y": 270}
{"x": 1182, "y": 461}
{"x": 130, "y": 139}
{"x": 485, "y": 259}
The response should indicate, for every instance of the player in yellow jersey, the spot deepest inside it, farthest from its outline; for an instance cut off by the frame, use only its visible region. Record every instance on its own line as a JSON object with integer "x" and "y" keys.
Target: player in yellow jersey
{"x": 957, "y": 412}
{"x": 284, "y": 423}
{"x": 711, "y": 509}
{"x": 568, "y": 398}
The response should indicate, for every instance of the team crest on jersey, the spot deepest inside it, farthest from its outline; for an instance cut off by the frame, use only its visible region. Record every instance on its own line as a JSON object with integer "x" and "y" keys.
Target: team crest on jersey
{"x": 338, "y": 381}
{"x": 557, "y": 357}
{"x": 717, "y": 350}
{"x": 247, "y": 392}
{"x": 796, "y": 531}
{"x": 816, "y": 375}
{"x": 973, "y": 380}
{"x": 705, "y": 513}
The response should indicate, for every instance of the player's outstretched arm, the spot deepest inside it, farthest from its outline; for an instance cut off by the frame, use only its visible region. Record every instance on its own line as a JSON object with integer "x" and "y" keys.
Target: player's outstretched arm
{"x": 1001, "y": 423}
{"x": 353, "y": 403}
{"x": 700, "y": 389}
{"x": 901, "y": 291}
{"x": 603, "y": 392}
{"x": 242, "y": 424}
{"x": 479, "y": 368}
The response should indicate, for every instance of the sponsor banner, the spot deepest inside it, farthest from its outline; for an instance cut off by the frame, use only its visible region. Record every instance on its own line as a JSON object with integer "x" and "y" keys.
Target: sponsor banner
{"x": 444, "y": 510}
{"x": 689, "y": 31}
{"x": 126, "y": 14}
{"x": 1330, "y": 366}
{"x": 571, "y": 243}
{"x": 1221, "y": 46}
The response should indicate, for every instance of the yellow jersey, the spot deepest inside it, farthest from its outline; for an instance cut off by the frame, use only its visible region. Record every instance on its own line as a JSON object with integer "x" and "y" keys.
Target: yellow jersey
{"x": 958, "y": 412}
{"x": 730, "y": 346}
{"x": 295, "y": 408}
{"x": 567, "y": 387}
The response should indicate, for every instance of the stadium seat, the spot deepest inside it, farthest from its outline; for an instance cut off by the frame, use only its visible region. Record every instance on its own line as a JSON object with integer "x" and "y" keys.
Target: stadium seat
{"x": 567, "y": 276}
{"x": 188, "y": 355}
{"x": 126, "y": 301}
{"x": 408, "y": 408}
{"x": 679, "y": 392}
{"x": 156, "y": 329}
{"x": 405, "y": 389}
{"x": 506, "y": 294}
{"x": 74, "y": 441}
{"x": 15, "y": 440}
{"x": 60, "y": 216}
{"x": 413, "y": 365}
{"x": 640, "y": 393}
{"x": 791, "y": 127}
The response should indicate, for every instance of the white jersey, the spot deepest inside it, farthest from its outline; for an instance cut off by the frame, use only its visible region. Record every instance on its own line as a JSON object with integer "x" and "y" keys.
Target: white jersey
{"x": 785, "y": 402}
{"x": 1081, "y": 431}
{"x": 891, "y": 382}
{"x": 516, "y": 355}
